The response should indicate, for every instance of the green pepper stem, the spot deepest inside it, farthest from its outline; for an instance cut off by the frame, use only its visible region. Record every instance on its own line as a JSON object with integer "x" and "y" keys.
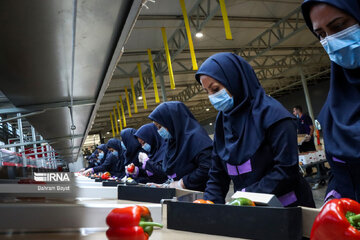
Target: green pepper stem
{"x": 153, "y": 224}
{"x": 355, "y": 218}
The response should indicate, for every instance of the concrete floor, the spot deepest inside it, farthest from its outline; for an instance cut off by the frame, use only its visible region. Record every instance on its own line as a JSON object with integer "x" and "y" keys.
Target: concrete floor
{"x": 319, "y": 195}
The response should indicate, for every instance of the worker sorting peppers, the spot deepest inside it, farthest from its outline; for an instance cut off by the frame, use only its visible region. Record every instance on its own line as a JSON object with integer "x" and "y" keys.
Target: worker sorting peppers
{"x": 130, "y": 223}
{"x": 339, "y": 219}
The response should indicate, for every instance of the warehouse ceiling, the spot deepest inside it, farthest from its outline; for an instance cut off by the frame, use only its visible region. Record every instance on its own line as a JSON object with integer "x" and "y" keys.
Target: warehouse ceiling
{"x": 270, "y": 34}
{"x": 56, "y": 61}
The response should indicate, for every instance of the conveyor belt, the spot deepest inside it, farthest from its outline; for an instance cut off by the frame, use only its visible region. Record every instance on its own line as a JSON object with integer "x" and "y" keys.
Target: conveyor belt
{"x": 84, "y": 217}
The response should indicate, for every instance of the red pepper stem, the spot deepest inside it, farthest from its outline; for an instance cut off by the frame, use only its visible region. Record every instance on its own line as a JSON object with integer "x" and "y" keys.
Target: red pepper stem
{"x": 153, "y": 224}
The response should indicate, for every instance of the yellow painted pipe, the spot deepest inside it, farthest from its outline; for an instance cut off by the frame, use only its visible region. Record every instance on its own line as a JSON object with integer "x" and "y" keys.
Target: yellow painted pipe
{"x": 122, "y": 111}
{"x": 112, "y": 125}
{"x": 128, "y": 101}
{"x": 228, "y": 34}
{"x": 188, "y": 34}
{"x": 157, "y": 99}
{"x": 168, "y": 59}
{"x": 133, "y": 95}
{"x": 118, "y": 108}
{"x": 142, "y": 86}
{"x": 116, "y": 122}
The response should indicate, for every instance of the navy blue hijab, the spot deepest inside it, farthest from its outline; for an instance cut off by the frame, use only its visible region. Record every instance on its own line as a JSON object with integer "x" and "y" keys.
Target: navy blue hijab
{"x": 133, "y": 147}
{"x": 240, "y": 131}
{"x": 93, "y": 155}
{"x": 116, "y": 144}
{"x": 340, "y": 115}
{"x": 103, "y": 148}
{"x": 150, "y": 135}
{"x": 188, "y": 137}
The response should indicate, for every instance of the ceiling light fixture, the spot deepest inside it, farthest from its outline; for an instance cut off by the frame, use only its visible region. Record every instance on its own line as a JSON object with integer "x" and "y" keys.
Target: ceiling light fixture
{"x": 208, "y": 109}
{"x": 199, "y": 35}
{"x": 140, "y": 97}
{"x": 210, "y": 124}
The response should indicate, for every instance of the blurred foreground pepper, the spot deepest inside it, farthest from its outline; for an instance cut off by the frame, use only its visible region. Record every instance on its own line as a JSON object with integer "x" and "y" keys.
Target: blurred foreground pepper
{"x": 338, "y": 219}
{"x": 241, "y": 202}
{"x": 130, "y": 223}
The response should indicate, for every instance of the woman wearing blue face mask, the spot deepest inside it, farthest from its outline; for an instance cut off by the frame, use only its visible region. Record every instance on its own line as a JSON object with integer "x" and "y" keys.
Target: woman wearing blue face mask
{"x": 113, "y": 160}
{"x": 133, "y": 148}
{"x": 102, "y": 156}
{"x": 151, "y": 161}
{"x": 255, "y": 141}
{"x": 117, "y": 160}
{"x": 188, "y": 153}
{"x": 102, "y": 151}
{"x": 336, "y": 24}
{"x": 92, "y": 160}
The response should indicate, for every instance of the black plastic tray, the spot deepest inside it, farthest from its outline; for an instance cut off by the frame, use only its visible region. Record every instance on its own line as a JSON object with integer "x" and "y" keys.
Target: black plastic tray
{"x": 99, "y": 180}
{"x": 234, "y": 221}
{"x": 145, "y": 194}
{"x": 111, "y": 183}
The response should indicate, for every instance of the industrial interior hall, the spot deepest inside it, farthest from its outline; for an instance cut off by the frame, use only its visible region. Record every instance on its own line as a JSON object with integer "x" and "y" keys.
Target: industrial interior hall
{"x": 180, "y": 119}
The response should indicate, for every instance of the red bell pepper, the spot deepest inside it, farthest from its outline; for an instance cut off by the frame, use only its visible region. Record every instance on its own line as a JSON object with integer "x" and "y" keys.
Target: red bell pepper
{"x": 339, "y": 219}
{"x": 130, "y": 168}
{"x": 105, "y": 176}
{"x": 130, "y": 223}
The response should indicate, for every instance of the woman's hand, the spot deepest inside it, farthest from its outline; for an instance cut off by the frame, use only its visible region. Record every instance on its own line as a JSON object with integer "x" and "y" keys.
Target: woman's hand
{"x": 88, "y": 172}
{"x": 177, "y": 184}
{"x": 132, "y": 170}
{"x": 143, "y": 157}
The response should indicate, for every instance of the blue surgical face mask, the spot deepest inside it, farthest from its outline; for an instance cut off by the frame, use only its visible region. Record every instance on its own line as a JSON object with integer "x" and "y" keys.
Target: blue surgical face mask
{"x": 101, "y": 155}
{"x": 116, "y": 154}
{"x": 221, "y": 100}
{"x": 146, "y": 147}
{"x": 164, "y": 133}
{"x": 123, "y": 146}
{"x": 343, "y": 47}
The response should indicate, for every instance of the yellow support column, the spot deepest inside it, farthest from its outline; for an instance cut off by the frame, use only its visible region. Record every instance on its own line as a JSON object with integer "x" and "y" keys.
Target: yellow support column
{"x": 224, "y": 14}
{"x": 112, "y": 125}
{"x": 116, "y": 122}
{"x": 122, "y": 111}
{"x": 128, "y": 101}
{"x": 188, "y": 34}
{"x": 142, "y": 85}
{"x": 133, "y": 95}
{"x": 157, "y": 99}
{"x": 168, "y": 59}
{"x": 118, "y": 111}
